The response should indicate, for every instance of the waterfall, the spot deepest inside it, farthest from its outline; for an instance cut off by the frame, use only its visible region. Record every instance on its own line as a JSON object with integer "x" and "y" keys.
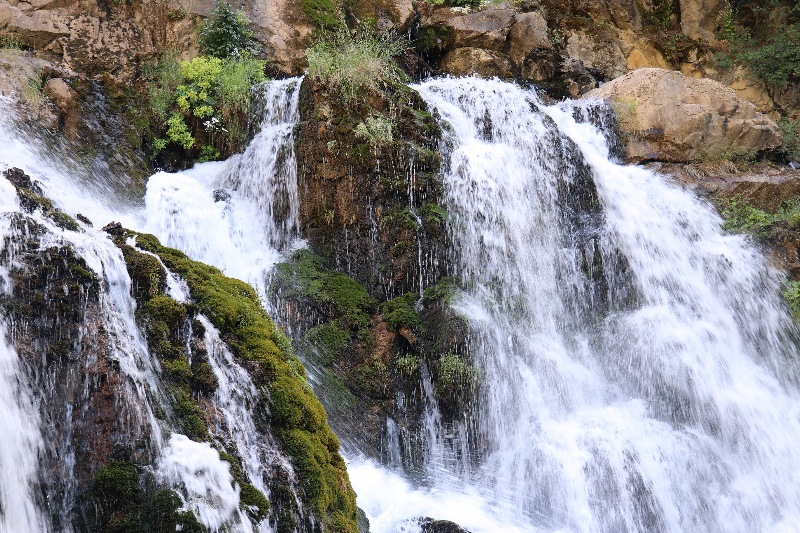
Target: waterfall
{"x": 674, "y": 411}
{"x": 637, "y": 366}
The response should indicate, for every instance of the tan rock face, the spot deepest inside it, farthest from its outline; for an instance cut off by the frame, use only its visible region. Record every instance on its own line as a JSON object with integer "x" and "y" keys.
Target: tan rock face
{"x": 528, "y": 33}
{"x": 624, "y": 14}
{"x": 476, "y": 61}
{"x": 699, "y": 17}
{"x": 671, "y": 117}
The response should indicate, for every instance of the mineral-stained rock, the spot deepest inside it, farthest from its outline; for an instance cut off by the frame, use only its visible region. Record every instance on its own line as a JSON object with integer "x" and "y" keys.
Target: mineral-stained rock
{"x": 670, "y": 117}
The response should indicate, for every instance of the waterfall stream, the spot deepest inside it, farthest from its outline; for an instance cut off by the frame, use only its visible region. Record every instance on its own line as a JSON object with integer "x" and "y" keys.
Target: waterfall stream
{"x": 637, "y": 364}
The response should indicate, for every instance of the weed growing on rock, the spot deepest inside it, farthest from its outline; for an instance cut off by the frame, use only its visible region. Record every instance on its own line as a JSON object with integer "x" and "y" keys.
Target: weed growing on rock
{"x": 791, "y": 137}
{"x": 351, "y": 62}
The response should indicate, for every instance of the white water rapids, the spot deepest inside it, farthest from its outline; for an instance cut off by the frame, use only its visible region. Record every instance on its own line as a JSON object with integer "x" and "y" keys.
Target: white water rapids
{"x": 674, "y": 410}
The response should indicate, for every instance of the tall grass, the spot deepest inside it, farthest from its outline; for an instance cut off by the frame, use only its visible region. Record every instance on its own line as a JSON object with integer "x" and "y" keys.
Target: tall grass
{"x": 353, "y": 61}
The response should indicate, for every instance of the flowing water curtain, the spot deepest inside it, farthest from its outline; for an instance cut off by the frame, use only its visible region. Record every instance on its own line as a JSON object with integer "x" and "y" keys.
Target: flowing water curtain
{"x": 630, "y": 415}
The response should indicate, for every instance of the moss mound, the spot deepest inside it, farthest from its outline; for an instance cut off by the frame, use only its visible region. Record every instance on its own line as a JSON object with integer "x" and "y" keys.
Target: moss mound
{"x": 295, "y": 414}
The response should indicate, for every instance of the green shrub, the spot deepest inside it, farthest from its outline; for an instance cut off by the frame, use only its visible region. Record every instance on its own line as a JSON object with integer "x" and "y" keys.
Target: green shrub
{"x": 350, "y": 62}
{"x": 658, "y": 18}
{"x": 791, "y": 293}
{"x": 226, "y": 33}
{"x": 203, "y": 102}
{"x": 764, "y": 38}
{"x": 743, "y": 218}
{"x": 791, "y": 137}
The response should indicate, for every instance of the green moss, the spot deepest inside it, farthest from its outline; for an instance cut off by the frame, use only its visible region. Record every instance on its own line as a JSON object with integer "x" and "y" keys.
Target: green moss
{"x": 335, "y": 294}
{"x": 329, "y": 341}
{"x": 117, "y": 496}
{"x": 253, "y": 501}
{"x": 116, "y": 482}
{"x": 321, "y": 13}
{"x": 189, "y": 414}
{"x": 165, "y": 517}
{"x": 63, "y": 220}
{"x": 295, "y": 413}
{"x": 30, "y": 201}
{"x": 400, "y": 312}
{"x": 202, "y": 377}
{"x": 444, "y": 290}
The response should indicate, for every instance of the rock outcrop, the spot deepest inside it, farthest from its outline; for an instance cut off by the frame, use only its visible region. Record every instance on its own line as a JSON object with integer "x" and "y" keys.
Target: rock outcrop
{"x": 671, "y": 117}
{"x": 699, "y": 18}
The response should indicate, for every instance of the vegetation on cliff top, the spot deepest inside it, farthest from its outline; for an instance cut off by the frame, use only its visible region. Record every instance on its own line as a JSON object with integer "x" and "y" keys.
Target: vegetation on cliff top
{"x": 351, "y": 61}
{"x": 202, "y": 104}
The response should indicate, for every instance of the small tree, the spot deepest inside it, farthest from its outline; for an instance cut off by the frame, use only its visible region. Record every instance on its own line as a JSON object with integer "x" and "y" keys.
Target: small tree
{"x": 226, "y": 33}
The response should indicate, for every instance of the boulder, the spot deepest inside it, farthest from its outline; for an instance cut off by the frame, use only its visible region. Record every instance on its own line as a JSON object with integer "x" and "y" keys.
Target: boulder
{"x": 470, "y": 61}
{"x": 60, "y": 93}
{"x": 603, "y": 55}
{"x": 699, "y": 18}
{"x": 668, "y": 116}
{"x": 528, "y": 33}
{"x": 485, "y": 29}
{"x": 429, "y": 525}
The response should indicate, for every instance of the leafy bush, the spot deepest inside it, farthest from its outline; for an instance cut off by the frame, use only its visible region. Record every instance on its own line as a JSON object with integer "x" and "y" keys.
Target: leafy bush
{"x": 763, "y": 37}
{"x": 351, "y": 62}
{"x": 791, "y": 137}
{"x": 658, "y": 18}
{"x": 226, "y": 33}
{"x": 791, "y": 293}
{"x": 203, "y": 102}
{"x": 743, "y": 218}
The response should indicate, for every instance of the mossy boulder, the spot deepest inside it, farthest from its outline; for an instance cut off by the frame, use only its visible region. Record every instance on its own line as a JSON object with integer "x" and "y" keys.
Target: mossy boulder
{"x": 293, "y": 413}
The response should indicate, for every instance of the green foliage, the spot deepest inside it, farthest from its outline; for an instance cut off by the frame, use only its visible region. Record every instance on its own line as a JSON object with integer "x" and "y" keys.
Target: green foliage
{"x": 727, "y": 23}
{"x": 203, "y": 102}
{"x": 166, "y": 518}
{"x": 658, "y": 18}
{"x": 329, "y": 341}
{"x": 454, "y": 375}
{"x": 765, "y": 40}
{"x": 254, "y": 502}
{"x": 408, "y": 364}
{"x": 9, "y": 41}
{"x": 741, "y": 217}
{"x": 352, "y": 62}
{"x": 117, "y": 482}
{"x": 376, "y": 130}
{"x": 165, "y": 78}
{"x": 202, "y": 75}
{"x": 445, "y": 289}
{"x": 321, "y": 13}
{"x": 226, "y": 33}
{"x": 791, "y": 137}
{"x": 791, "y": 294}
{"x": 336, "y": 294}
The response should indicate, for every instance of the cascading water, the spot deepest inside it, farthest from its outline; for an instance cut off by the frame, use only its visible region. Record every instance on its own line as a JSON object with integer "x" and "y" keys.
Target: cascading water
{"x": 636, "y": 363}
{"x": 676, "y": 411}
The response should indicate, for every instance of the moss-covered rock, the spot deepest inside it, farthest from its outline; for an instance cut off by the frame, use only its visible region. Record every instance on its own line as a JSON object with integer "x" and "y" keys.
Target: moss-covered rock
{"x": 295, "y": 414}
